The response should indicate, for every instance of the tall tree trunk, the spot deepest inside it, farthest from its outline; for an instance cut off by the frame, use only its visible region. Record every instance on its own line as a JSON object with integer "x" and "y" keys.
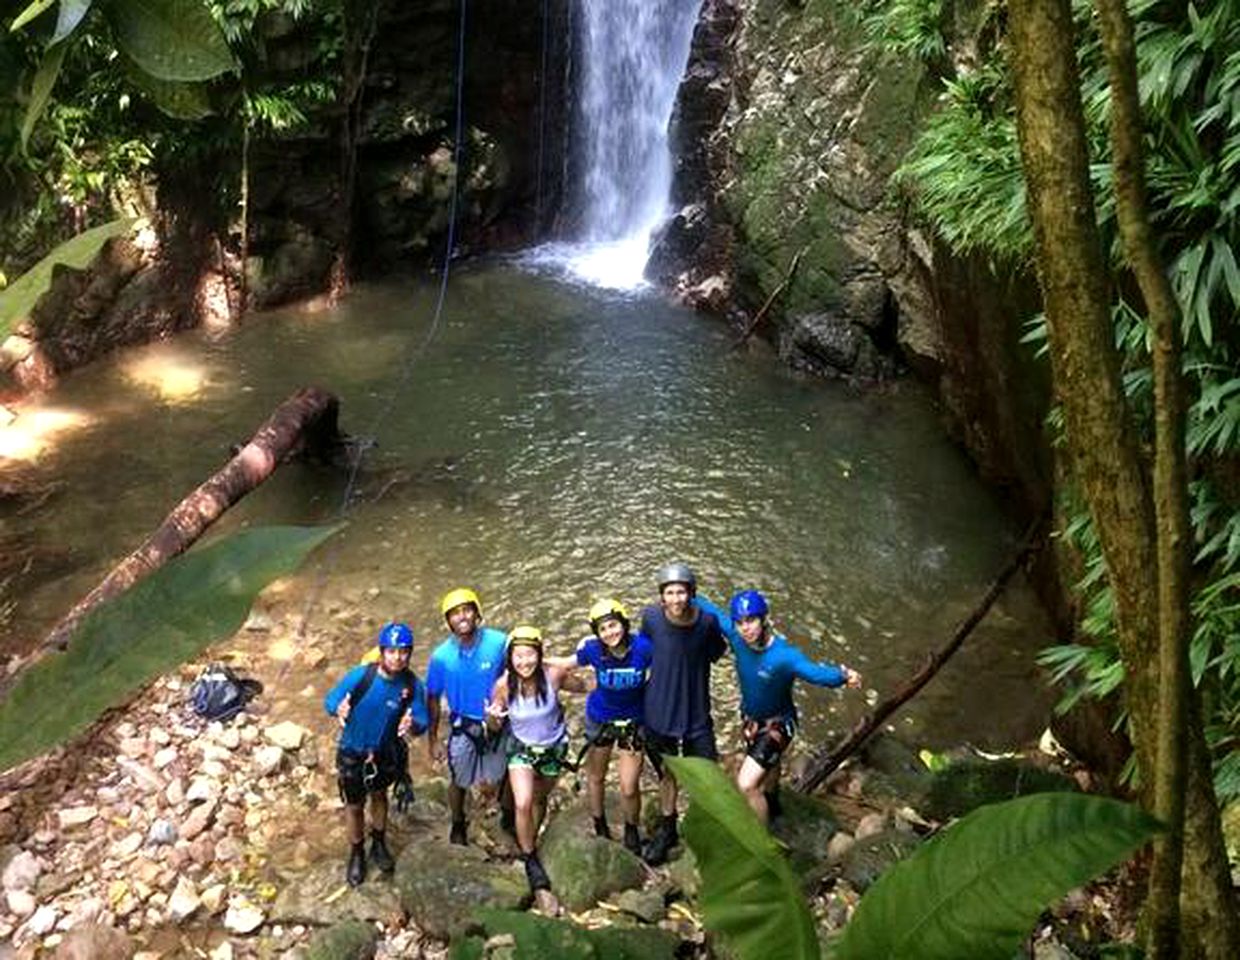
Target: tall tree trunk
{"x": 1106, "y": 460}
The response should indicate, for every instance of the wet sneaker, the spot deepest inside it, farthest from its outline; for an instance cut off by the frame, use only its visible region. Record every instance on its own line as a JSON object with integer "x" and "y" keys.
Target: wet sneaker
{"x": 661, "y": 844}
{"x": 355, "y": 873}
{"x": 601, "y": 829}
{"x": 632, "y": 839}
{"x": 457, "y": 833}
{"x": 380, "y": 856}
{"x": 536, "y": 874}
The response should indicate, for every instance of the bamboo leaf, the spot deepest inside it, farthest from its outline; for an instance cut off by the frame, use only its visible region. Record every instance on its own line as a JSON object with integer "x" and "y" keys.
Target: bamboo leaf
{"x": 41, "y": 88}
{"x": 30, "y": 13}
{"x": 69, "y": 16}
{"x": 749, "y": 892}
{"x": 171, "y": 39}
{"x": 160, "y": 622}
{"x": 19, "y": 297}
{"x": 976, "y": 890}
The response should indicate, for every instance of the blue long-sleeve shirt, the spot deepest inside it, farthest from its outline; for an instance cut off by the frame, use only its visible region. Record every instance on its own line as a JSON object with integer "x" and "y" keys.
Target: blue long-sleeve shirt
{"x": 370, "y": 719}
{"x": 766, "y": 676}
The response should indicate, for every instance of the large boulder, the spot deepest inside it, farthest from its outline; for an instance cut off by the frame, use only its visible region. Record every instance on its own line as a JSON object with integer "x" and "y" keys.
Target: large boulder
{"x": 315, "y": 897}
{"x": 969, "y": 783}
{"x": 806, "y": 827}
{"x": 535, "y": 936}
{"x": 866, "y": 859}
{"x": 442, "y": 884}
{"x": 585, "y": 869}
{"x": 349, "y": 940}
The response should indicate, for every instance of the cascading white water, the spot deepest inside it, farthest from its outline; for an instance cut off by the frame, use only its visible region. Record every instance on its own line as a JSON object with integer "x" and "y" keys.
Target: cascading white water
{"x": 631, "y": 56}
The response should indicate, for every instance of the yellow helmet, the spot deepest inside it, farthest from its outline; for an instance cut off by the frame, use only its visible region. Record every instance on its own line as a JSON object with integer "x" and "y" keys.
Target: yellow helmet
{"x": 607, "y": 608}
{"x": 525, "y": 636}
{"x": 454, "y": 598}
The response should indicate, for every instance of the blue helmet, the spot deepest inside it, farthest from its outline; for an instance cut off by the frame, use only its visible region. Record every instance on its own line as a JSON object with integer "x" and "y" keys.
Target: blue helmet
{"x": 396, "y": 636}
{"x": 748, "y": 603}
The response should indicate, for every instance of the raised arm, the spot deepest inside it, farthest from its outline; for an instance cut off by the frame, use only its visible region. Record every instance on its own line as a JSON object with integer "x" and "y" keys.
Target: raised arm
{"x": 822, "y": 674}
{"x": 563, "y": 678}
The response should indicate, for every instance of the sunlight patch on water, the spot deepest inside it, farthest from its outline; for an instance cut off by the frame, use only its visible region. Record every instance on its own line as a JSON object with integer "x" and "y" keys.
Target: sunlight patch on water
{"x": 35, "y": 430}
{"x": 616, "y": 265}
{"x": 172, "y": 378}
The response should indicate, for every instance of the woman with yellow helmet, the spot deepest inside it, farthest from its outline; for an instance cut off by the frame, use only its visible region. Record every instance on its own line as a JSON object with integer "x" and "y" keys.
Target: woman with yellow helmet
{"x": 527, "y": 697}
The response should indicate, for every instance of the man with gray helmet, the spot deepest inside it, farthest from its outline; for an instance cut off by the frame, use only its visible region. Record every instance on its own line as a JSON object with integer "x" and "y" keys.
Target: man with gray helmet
{"x": 686, "y": 640}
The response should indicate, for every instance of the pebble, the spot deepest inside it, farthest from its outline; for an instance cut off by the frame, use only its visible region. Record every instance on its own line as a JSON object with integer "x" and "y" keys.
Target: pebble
{"x": 287, "y": 735}
{"x": 198, "y": 820}
{"x": 21, "y": 903}
{"x": 159, "y": 735}
{"x": 128, "y": 846}
{"x": 267, "y": 760}
{"x": 243, "y": 917}
{"x": 43, "y": 922}
{"x": 133, "y": 747}
{"x": 71, "y": 817}
{"x": 175, "y": 793}
{"x": 213, "y": 898}
{"x": 164, "y": 757}
{"x": 184, "y": 901}
{"x": 202, "y": 789}
{"x": 22, "y": 871}
{"x": 161, "y": 833}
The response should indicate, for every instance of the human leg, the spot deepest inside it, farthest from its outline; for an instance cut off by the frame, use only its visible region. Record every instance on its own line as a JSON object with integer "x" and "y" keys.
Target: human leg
{"x": 380, "y": 856}
{"x": 596, "y": 777}
{"x": 521, "y": 779}
{"x": 750, "y": 779}
{"x": 630, "y": 768}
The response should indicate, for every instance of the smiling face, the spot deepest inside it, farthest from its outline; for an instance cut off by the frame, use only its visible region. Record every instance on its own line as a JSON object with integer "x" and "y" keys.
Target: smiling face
{"x": 675, "y": 600}
{"x": 463, "y": 620}
{"x": 524, "y": 660}
{"x": 611, "y": 631}
{"x": 751, "y": 630}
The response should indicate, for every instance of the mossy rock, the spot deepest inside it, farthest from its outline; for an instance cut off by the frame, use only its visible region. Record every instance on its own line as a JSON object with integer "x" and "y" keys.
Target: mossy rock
{"x": 440, "y": 885}
{"x": 314, "y": 897}
{"x": 350, "y": 940}
{"x": 537, "y": 938}
{"x": 806, "y": 826}
{"x": 869, "y": 857}
{"x": 965, "y": 785}
{"x": 585, "y": 869}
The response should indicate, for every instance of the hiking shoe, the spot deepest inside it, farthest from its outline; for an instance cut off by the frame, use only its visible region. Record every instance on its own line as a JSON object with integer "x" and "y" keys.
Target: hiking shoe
{"x": 773, "y": 807}
{"x": 661, "y": 844}
{"x": 632, "y": 839}
{"x": 380, "y": 856}
{"x": 355, "y": 873}
{"x": 457, "y": 833}
{"x": 536, "y": 874}
{"x": 601, "y": 829}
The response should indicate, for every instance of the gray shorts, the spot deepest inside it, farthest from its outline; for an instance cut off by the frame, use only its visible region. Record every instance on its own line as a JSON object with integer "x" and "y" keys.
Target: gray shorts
{"x": 475, "y": 755}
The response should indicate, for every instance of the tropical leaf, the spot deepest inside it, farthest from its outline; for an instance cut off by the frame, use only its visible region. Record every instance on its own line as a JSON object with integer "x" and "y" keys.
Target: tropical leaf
{"x": 182, "y": 101}
{"x": 68, "y": 17}
{"x": 174, "y": 40}
{"x": 41, "y": 87}
{"x": 975, "y": 891}
{"x": 749, "y": 893}
{"x": 156, "y": 625}
{"x": 32, "y": 11}
{"x": 19, "y": 297}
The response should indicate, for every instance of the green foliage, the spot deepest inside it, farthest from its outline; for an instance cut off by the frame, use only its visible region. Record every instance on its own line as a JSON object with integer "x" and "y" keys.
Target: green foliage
{"x": 19, "y": 297}
{"x": 539, "y": 938}
{"x": 175, "y": 40}
{"x": 749, "y": 892}
{"x": 157, "y": 624}
{"x": 975, "y": 891}
{"x": 907, "y": 27}
{"x": 41, "y": 88}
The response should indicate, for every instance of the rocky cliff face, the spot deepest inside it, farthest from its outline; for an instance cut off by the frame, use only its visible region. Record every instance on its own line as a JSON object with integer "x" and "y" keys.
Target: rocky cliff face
{"x": 787, "y": 132}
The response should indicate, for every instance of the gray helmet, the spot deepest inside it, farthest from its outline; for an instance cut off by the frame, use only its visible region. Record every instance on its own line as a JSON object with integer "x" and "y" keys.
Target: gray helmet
{"x": 676, "y": 573}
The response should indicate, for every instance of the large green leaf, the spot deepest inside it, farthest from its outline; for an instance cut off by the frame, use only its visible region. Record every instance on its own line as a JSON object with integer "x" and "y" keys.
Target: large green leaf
{"x": 976, "y": 890}
{"x": 156, "y": 625}
{"x": 32, "y": 11}
{"x": 69, "y": 16}
{"x": 41, "y": 87}
{"x": 19, "y": 297}
{"x": 182, "y": 101}
{"x": 171, "y": 39}
{"x": 749, "y": 893}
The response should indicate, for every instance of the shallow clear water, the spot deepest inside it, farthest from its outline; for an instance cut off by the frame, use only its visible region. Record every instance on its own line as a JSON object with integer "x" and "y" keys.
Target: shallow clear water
{"x": 553, "y": 444}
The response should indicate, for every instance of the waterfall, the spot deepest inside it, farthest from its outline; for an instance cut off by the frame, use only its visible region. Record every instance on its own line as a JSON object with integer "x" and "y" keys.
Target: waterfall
{"x": 631, "y": 55}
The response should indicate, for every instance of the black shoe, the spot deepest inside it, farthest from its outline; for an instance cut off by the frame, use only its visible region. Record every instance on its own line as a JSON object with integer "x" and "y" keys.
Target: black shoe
{"x": 661, "y": 844}
{"x": 773, "y": 807}
{"x": 457, "y": 833}
{"x": 508, "y": 821}
{"x": 380, "y": 856}
{"x": 632, "y": 839}
{"x": 601, "y": 829}
{"x": 356, "y": 871}
{"x": 536, "y": 874}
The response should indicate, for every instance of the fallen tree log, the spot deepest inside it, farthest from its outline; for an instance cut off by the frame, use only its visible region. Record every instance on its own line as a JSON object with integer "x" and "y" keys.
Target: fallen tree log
{"x": 822, "y": 766}
{"x": 306, "y": 424}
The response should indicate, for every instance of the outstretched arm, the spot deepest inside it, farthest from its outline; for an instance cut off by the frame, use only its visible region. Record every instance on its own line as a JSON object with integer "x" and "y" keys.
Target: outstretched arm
{"x": 561, "y": 663}
{"x": 567, "y": 679}
{"x": 823, "y": 674}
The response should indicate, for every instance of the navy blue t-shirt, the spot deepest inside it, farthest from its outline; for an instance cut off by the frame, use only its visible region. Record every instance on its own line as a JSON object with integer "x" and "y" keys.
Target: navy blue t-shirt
{"x": 621, "y": 680}
{"x": 678, "y": 692}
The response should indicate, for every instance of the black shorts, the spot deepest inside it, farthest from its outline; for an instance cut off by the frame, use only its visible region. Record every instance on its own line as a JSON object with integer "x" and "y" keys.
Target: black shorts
{"x": 766, "y": 740}
{"x": 700, "y": 744}
{"x": 357, "y": 775}
{"x": 625, "y": 734}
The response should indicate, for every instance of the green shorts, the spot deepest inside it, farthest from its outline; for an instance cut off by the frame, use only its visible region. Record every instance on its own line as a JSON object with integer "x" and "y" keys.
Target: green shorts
{"x": 549, "y": 761}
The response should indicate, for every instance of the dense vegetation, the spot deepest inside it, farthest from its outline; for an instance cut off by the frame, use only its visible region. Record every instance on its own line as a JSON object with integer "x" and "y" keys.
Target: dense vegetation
{"x": 965, "y": 176}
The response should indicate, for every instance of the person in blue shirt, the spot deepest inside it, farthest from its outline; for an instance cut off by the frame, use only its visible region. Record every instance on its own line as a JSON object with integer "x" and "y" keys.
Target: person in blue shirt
{"x": 377, "y": 705}
{"x": 462, "y": 670}
{"x": 767, "y": 665}
{"x": 686, "y": 640}
{"x": 614, "y": 712}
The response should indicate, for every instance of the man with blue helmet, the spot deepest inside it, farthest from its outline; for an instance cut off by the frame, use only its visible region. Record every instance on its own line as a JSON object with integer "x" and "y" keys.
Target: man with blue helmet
{"x": 377, "y": 705}
{"x": 767, "y": 665}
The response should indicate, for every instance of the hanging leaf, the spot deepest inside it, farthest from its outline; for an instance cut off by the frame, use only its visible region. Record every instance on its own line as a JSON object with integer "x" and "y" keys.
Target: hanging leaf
{"x": 41, "y": 87}
{"x": 182, "y": 101}
{"x": 159, "y": 623}
{"x": 749, "y": 892}
{"x": 32, "y": 11}
{"x": 69, "y": 16}
{"x": 171, "y": 39}
{"x": 976, "y": 890}
{"x": 20, "y": 296}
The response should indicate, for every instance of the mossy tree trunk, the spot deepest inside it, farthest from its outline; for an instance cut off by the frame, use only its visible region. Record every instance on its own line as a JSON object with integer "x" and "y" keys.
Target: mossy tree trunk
{"x": 1106, "y": 460}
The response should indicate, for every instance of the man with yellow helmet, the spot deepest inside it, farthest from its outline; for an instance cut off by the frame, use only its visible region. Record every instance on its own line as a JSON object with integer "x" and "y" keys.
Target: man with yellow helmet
{"x": 462, "y": 670}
